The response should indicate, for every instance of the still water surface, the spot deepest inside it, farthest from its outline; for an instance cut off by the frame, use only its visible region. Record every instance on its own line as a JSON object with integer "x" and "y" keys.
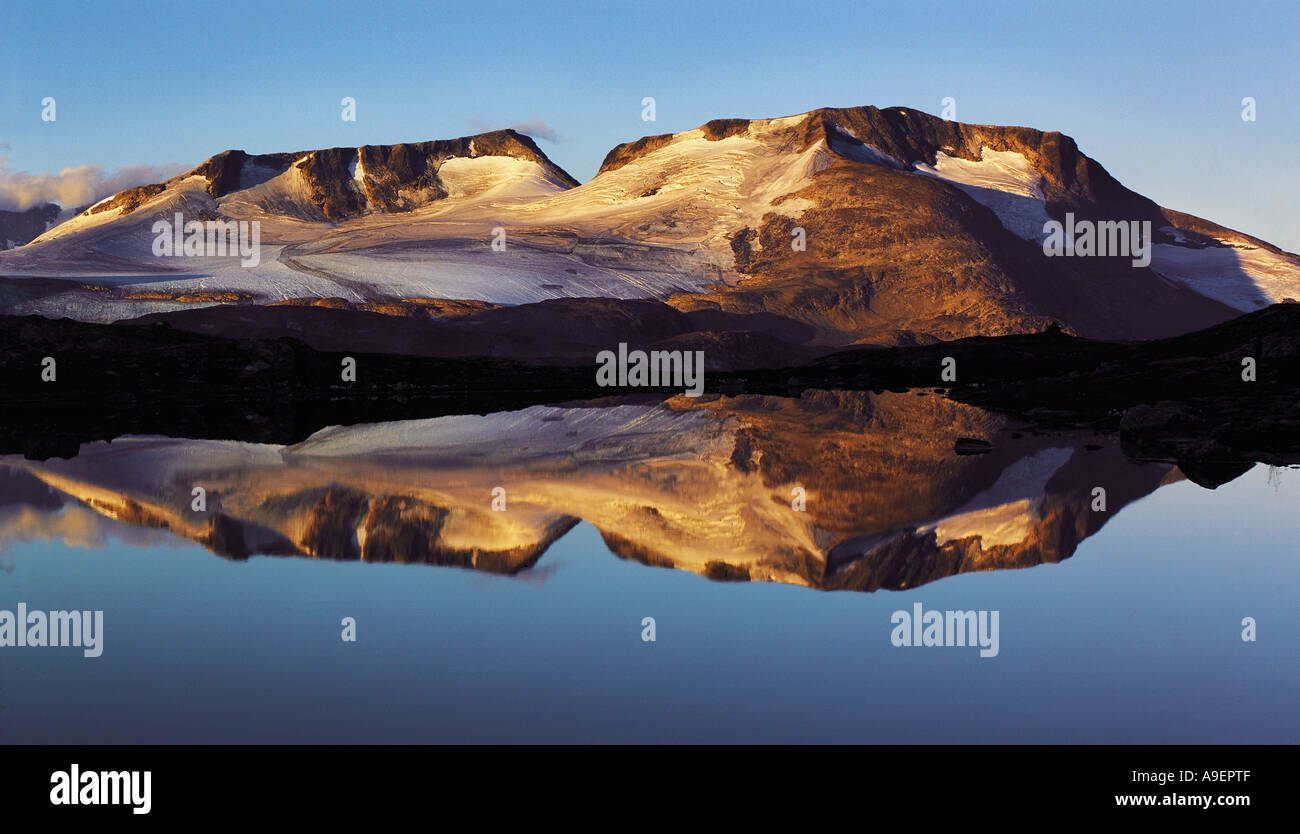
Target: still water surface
{"x": 1135, "y": 637}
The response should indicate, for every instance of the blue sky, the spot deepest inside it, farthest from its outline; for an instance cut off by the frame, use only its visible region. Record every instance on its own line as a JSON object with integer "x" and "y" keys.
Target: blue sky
{"x": 1151, "y": 90}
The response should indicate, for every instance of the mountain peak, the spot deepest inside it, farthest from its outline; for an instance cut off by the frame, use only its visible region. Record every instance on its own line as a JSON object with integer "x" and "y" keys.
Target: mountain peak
{"x": 902, "y": 137}
{"x": 344, "y": 182}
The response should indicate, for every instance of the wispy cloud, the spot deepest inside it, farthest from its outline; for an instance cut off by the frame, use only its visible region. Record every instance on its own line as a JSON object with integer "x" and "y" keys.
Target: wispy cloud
{"x": 77, "y": 186}
{"x": 536, "y": 128}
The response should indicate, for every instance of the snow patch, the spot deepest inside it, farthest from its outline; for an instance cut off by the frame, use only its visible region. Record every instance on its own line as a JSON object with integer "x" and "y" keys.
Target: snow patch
{"x": 497, "y": 176}
{"x": 1004, "y": 181}
{"x": 1004, "y": 513}
{"x": 1244, "y": 278}
{"x": 845, "y": 143}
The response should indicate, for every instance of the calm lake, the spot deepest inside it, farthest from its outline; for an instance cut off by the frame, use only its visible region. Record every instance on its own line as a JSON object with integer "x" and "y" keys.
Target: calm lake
{"x": 499, "y": 570}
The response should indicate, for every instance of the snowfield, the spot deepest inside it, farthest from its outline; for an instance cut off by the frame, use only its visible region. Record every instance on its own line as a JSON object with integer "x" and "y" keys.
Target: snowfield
{"x": 1002, "y": 180}
{"x": 1246, "y": 278}
{"x": 658, "y": 225}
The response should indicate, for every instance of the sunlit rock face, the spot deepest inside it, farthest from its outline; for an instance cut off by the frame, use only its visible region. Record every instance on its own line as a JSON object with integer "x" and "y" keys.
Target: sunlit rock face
{"x": 833, "y": 490}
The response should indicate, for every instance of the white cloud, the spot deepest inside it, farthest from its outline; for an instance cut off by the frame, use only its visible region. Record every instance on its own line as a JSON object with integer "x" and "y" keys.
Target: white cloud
{"x": 77, "y": 186}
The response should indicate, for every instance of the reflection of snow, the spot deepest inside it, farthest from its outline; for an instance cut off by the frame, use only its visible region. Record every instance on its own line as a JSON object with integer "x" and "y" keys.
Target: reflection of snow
{"x": 509, "y": 437}
{"x": 1004, "y": 513}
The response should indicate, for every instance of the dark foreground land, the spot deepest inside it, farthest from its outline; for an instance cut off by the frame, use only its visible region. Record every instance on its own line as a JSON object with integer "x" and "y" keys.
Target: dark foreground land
{"x": 1184, "y": 399}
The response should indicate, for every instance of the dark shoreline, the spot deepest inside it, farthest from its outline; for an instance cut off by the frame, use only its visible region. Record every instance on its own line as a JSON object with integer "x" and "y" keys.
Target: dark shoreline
{"x": 1181, "y": 399}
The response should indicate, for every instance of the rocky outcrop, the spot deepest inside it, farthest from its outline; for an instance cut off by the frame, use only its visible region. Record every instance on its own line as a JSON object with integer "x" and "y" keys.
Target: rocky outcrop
{"x": 719, "y": 129}
{"x": 224, "y": 172}
{"x": 621, "y": 155}
{"x": 128, "y": 200}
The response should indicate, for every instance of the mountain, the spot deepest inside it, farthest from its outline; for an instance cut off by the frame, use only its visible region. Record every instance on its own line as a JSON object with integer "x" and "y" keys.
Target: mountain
{"x": 20, "y": 227}
{"x": 916, "y": 229}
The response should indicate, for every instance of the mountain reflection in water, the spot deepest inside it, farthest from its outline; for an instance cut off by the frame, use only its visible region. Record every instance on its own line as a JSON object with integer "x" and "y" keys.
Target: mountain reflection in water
{"x": 704, "y": 485}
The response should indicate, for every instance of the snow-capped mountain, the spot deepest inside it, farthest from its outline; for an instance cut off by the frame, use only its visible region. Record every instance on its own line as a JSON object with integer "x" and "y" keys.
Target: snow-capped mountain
{"x": 833, "y": 227}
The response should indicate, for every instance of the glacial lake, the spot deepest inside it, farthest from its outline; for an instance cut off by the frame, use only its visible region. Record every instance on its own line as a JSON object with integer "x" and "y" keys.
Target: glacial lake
{"x": 1130, "y": 634}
